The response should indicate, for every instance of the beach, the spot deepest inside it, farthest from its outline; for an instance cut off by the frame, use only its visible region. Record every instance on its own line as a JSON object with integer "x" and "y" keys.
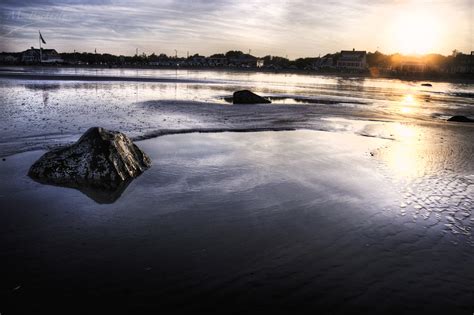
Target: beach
{"x": 45, "y": 112}
{"x": 343, "y": 195}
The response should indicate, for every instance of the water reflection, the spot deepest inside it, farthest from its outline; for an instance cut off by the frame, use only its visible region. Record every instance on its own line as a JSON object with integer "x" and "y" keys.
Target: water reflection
{"x": 101, "y": 194}
{"x": 45, "y": 90}
{"x": 408, "y": 103}
{"x": 29, "y": 114}
{"x": 405, "y": 157}
{"x": 431, "y": 168}
{"x": 45, "y": 98}
{"x": 304, "y": 210}
{"x": 425, "y": 150}
{"x": 43, "y": 86}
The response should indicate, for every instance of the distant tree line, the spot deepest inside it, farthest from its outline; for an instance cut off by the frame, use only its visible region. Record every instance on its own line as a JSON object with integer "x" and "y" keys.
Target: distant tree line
{"x": 431, "y": 63}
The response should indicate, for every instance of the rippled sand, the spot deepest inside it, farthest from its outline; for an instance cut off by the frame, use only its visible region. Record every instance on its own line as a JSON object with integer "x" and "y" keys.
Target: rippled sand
{"x": 433, "y": 168}
{"x": 271, "y": 221}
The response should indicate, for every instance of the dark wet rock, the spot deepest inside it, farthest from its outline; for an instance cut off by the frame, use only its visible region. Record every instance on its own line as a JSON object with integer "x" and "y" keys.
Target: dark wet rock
{"x": 248, "y": 97}
{"x": 460, "y": 119}
{"x": 426, "y": 84}
{"x": 101, "y": 161}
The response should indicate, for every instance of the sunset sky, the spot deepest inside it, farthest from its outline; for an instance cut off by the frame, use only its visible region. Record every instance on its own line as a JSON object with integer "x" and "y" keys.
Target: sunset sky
{"x": 292, "y": 28}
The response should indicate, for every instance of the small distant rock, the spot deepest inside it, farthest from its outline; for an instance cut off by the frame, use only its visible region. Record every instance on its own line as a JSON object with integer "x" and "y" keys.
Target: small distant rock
{"x": 460, "y": 119}
{"x": 426, "y": 84}
{"x": 99, "y": 159}
{"x": 248, "y": 97}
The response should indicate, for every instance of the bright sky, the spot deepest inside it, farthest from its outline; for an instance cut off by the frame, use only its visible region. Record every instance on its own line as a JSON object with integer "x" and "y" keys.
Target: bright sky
{"x": 294, "y": 28}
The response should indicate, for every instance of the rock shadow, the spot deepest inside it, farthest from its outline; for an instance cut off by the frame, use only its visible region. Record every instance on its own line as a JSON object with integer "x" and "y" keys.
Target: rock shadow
{"x": 101, "y": 194}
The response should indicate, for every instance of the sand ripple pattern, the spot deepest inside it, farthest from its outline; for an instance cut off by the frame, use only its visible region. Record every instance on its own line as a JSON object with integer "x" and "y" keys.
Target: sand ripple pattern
{"x": 441, "y": 199}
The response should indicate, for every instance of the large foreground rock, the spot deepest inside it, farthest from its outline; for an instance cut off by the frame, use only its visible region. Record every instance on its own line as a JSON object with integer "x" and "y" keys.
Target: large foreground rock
{"x": 101, "y": 159}
{"x": 248, "y": 97}
{"x": 460, "y": 119}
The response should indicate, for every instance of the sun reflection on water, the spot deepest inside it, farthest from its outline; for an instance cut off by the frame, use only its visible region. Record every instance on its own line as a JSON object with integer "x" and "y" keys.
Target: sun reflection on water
{"x": 404, "y": 157}
{"x": 431, "y": 170}
{"x": 408, "y": 104}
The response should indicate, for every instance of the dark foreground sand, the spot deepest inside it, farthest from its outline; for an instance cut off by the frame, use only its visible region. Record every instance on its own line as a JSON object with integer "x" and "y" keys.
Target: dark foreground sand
{"x": 237, "y": 223}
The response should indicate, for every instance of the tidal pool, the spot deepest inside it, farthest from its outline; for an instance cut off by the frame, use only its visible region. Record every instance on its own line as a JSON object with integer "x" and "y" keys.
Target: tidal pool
{"x": 238, "y": 222}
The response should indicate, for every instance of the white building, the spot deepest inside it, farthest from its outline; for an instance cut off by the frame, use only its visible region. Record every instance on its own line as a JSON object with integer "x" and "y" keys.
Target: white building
{"x": 352, "y": 59}
{"x": 34, "y": 55}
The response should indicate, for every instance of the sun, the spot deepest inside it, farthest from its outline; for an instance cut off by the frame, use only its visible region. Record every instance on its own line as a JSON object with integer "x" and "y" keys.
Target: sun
{"x": 415, "y": 33}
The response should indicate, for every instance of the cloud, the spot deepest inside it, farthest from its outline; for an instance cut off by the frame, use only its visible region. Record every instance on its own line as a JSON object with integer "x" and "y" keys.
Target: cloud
{"x": 293, "y": 27}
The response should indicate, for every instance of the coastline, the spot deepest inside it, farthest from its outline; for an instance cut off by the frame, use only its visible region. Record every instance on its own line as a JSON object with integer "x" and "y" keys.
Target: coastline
{"x": 441, "y": 77}
{"x": 160, "y": 102}
{"x": 67, "y": 77}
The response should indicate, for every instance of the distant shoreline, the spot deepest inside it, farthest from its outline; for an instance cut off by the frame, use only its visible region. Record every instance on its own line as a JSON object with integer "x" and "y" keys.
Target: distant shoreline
{"x": 72, "y": 77}
{"x": 449, "y": 78}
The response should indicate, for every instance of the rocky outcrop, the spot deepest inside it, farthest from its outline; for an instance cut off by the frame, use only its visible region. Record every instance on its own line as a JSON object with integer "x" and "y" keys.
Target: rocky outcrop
{"x": 460, "y": 119}
{"x": 102, "y": 159}
{"x": 248, "y": 97}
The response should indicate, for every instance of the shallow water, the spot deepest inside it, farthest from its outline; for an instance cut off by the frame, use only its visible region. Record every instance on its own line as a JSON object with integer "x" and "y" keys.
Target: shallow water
{"x": 39, "y": 113}
{"x": 233, "y": 222}
{"x": 374, "y": 214}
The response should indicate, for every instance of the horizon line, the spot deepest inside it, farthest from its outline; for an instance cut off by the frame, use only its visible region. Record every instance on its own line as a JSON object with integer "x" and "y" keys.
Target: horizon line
{"x": 244, "y": 53}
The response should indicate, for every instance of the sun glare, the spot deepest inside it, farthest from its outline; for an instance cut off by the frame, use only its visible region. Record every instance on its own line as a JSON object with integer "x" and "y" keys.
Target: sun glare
{"x": 407, "y": 104}
{"x": 416, "y": 33}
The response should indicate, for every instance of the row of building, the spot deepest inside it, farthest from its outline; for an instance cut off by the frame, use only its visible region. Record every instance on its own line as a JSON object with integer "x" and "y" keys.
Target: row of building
{"x": 347, "y": 60}
{"x": 242, "y": 61}
{"x": 357, "y": 61}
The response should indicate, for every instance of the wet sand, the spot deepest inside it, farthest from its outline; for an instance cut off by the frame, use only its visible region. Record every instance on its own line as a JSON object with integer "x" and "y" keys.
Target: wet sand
{"x": 365, "y": 205}
{"x": 291, "y": 221}
{"x": 40, "y": 114}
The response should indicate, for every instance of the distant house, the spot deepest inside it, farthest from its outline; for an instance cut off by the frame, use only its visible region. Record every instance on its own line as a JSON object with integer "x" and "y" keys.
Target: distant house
{"x": 352, "y": 59}
{"x": 8, "y": 59}
{"x": 463, "y": 63}
{"x": 34, "y": 55}
{"x": 408, "y": 64}
{"x": 324, "y": 62}
{"x": 245, "y": 61}
{"x": 217, "y": 61}
{"x": 197, "y": 61}
{"x": 412, "y": 66}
